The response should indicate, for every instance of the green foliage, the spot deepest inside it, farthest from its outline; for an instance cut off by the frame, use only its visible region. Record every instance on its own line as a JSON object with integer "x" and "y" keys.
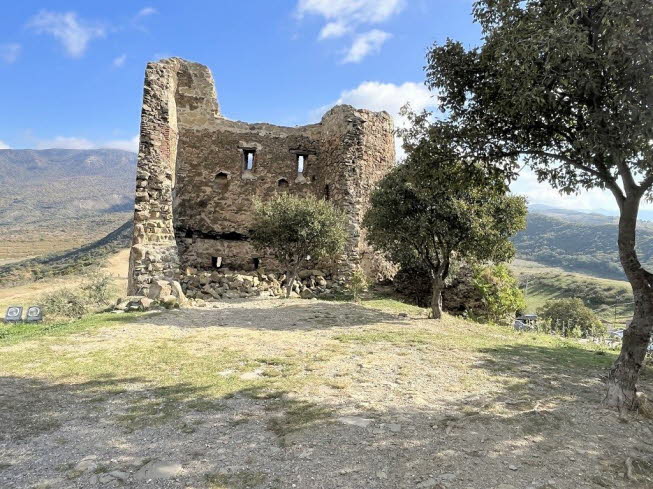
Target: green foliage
{"x": 564, "y": 85}
{"x": 293, "y": 228}
{"x": 434, "y": 206}
{"x": 501, "y": 296}
{"x": 357, "y": 284}
{"x": 73, "y": 303}
{"x": 570, "y": 317}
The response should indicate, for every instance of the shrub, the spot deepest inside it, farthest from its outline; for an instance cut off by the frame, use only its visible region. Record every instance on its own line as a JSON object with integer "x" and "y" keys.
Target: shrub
{"x": 501, "y": 297}
{"x": 91, "y": 295}
{"x": 358, "y": 284}
{"x": 295, "y": 229}
{"x": 570, "y": 317}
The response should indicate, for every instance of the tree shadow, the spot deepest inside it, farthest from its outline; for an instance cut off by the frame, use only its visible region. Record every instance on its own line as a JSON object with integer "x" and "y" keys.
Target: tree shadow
{"x": 287, "y": 316}
{"x": 540, "y": 428}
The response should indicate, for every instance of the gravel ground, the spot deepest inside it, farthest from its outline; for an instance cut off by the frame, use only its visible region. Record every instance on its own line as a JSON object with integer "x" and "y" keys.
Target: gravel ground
{"x": 390, "y": 402}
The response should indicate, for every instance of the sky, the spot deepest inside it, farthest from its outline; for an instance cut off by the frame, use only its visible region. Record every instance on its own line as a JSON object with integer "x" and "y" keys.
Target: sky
{"x": 71, "y": 72}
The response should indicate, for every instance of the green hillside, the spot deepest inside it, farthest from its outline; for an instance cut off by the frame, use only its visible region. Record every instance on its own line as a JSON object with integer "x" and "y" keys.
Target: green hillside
{"x": 608, "y": 298}
{"x": 574, "y": 245}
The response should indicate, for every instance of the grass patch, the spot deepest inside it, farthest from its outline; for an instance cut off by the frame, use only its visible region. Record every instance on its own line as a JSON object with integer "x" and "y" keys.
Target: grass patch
{"x": 236, "y": 480}
{"x": 16, "y": 333}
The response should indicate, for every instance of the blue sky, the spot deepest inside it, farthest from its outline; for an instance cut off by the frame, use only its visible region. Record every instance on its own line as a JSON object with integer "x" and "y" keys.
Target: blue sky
{"x": 71, "y": 71}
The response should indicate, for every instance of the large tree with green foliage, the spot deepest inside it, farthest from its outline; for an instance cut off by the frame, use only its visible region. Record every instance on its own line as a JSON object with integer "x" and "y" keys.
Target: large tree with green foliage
{"x": 565, "y": 86}
{"x": 434, "y": 206}
{"x": 296, "y": 229}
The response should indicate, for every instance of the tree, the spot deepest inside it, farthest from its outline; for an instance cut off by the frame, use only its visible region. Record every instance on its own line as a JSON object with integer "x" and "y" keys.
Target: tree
{"x": 570, "y": 317}
{"x": 297, "y": 229}
{"x": 432, "y": 207}
{"x": 500, "y": 293}
{"x": 565, "y": 86}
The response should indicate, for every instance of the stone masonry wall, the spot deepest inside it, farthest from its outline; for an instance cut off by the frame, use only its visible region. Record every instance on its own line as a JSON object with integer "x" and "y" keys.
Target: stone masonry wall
{"x": 195, "y": 196}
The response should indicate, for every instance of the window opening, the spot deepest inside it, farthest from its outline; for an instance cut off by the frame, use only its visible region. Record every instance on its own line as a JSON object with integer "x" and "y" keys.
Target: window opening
{"x": 257, "y": 262}
{"x": 249, "y": 159}
{"x": 301, "y": 159}
{"x": 327, "y": 192}
{"x": 282, "y": 183}
{"x": 216, "y": 261}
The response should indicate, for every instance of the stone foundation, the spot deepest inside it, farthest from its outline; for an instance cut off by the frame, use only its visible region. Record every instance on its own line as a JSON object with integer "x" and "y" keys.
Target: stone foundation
{"x": 226, "y": 284}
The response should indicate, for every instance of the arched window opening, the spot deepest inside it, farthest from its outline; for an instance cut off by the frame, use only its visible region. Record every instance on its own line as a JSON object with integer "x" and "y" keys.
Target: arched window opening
{"x": 282, "y": 183}
{"x": 221, "y": 181}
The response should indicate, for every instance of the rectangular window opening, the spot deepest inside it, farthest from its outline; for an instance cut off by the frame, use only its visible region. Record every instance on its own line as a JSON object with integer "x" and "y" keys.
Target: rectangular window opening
{"x": 249, "y": 159}
{"x": 216, "y": 261}
{"x": 301, "y": 159}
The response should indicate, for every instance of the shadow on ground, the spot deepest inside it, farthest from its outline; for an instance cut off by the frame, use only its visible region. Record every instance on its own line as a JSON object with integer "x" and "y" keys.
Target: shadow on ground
{"x": 286, "y": 316}
{"x": 542, "y": 430}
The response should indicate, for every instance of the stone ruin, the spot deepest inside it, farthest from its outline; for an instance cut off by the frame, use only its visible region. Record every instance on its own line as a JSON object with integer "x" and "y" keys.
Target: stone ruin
{"x": 199, "y": 172}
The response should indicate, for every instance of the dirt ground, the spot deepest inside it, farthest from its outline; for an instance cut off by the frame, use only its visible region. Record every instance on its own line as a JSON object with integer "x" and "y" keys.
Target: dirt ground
{"x": 311, "y": 394}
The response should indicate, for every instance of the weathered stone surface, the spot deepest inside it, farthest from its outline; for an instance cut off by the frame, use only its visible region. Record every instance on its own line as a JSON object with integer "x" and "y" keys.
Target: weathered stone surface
{"x": 188, "y": 147}
{"x": 158, "y": 470}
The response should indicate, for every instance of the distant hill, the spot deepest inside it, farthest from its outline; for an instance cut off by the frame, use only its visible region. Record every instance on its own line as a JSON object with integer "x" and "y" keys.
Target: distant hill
{"x": 36, "y": 184}
{"x": 76, "y": 261}
{"x": 57, "y": 199}
{"x": 579, "y": 242}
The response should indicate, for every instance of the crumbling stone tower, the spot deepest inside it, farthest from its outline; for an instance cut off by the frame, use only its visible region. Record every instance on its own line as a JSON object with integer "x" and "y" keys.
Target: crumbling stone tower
{"x": 199, "y": 172}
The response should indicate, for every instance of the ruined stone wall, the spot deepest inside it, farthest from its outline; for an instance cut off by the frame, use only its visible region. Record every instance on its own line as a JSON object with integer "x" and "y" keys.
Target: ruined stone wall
{"x": 154, "y": 251}
{"x": 215, "y": 193}
{"x": 195, "y": 196}
{"x": 358, "y": 148}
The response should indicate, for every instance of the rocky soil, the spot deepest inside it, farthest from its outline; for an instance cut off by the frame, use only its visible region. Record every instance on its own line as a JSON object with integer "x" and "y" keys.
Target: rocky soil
{"x": 323, "y": 395}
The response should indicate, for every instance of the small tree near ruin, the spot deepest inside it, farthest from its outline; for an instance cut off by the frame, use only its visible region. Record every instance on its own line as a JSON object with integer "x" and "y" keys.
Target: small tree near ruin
{"x": 434, "y": 207}
{"x": 295, "y": 229}
{"x": 567, "y": 88}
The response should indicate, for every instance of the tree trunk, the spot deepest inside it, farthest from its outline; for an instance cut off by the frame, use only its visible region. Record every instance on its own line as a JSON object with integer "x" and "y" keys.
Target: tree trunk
{"x": 437, "y": 285}
{"x": 291, "y": 281}
{"x": 623, "y": 377}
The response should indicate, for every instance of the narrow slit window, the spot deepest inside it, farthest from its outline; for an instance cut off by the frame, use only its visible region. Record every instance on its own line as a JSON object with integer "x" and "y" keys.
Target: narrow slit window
{"x": 256, "y": 262}
{"x": 301, "y": 159}
{"x": 216, "y": 261}
{"x": 249, "y": 159}
{"x": 327, "y": 192}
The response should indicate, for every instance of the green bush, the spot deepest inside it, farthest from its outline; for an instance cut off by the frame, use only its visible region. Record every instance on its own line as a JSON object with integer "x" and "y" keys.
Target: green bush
{"x": 570, "y": 317}
{"x": 358, "y": 284}
{"x": 94, "y": 293}
{"x": 501, "y": 297}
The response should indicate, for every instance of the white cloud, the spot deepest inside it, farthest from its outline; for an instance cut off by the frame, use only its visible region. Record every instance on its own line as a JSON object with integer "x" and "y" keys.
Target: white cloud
{"x": 72, "y": 32}
{"x": 9, "y": 52}
{"x": 351, "y": 11}
{"x": 543, "y": 193}
{"x": 126, "y": 144}
{"x": 364, "y": 44}
{"x": 333, "y": 30}
{"x": 147, "y": 11}
{"x": 119, "y": 61}
{"x": 346, "y": 16}
{"x": 64, "y": 142}
{"x": 4, "y": 145}
{"x": 378, "y": 96}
